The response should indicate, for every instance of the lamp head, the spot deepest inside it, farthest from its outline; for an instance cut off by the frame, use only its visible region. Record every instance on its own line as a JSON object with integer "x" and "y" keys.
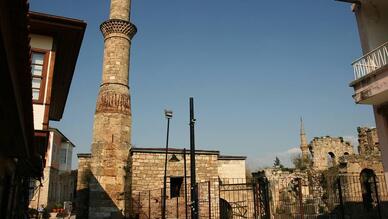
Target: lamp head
{"x": 168, "y": 114}
{"x": 173, "y": 158}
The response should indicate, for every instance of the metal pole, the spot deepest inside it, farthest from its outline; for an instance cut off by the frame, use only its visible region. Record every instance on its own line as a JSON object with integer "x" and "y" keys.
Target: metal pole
{"x": 210, "y": 200}
{"x": 300, "y": 198}
{"x": 377, "y": 196}
{"x": 194, "y": 198}
{"x": 219, "y": 195}
{"x": 185, "y": 173}
{"x": 168, "y": 115}
{"x": 149, "y": 203}
{"x": 177, "y": 207}
{"x": 254, "y": 190}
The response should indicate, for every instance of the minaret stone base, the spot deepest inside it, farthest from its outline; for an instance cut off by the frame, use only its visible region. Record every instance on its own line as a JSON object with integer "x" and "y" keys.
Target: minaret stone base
{"x": 109, "y": 178}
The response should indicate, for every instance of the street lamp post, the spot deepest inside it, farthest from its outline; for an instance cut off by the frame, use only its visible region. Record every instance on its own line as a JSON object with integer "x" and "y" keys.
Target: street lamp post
{"x": 194, "y": 188}
{"x": 168, "y": 115}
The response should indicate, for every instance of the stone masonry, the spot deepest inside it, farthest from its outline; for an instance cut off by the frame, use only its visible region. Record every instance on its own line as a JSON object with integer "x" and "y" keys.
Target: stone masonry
{"x": 326, "y": 151}
{"x": 112, "y": 119}
{"x": 147, "y": 179}
{"x": 83, "y": 177}
{"x": 333, "y": 164}
{"x": 368, "y": 141}
{"x": 303, "y": 142}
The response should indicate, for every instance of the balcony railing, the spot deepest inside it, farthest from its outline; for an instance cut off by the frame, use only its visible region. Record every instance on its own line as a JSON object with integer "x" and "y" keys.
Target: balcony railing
{"x": 371, "y": 61}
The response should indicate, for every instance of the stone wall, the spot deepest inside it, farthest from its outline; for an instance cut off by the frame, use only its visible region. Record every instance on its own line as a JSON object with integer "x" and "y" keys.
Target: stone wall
{"x": 359, "y": 177}
{"x": 368, "y": 142}
{"x": 148, "y": 168}
{"x": 231, "y": 168}
{"x": 41, "y": 193}
{"x": 108, "y": 182}
{"x": 282, "y": 186}
{"x": 148, "y": 172}
{"x": 326, "y": 151}
{"x": 82, "y": 191}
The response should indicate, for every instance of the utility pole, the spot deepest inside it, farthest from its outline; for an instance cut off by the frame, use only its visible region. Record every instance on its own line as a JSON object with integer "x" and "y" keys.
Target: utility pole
{"x": 193, "y": 186}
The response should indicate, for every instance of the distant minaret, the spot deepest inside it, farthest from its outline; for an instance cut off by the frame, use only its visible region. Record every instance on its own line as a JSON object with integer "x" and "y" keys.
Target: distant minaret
{"x": 303, "y": 141}
{"x": 109, "y": 178}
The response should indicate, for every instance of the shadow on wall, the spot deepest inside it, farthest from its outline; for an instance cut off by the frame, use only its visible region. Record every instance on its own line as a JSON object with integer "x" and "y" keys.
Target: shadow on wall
{"x": 94, "y": 202}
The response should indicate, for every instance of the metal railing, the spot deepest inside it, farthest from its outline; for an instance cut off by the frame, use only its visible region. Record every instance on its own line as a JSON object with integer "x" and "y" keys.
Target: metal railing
{"x": 371, "y": 61}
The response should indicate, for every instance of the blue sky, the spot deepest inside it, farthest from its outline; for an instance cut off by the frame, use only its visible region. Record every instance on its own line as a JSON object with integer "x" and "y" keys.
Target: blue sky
{"x": 253, "y": 66}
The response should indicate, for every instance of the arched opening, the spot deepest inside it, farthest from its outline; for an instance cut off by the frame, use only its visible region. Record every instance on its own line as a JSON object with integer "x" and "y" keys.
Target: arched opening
{"x": 368, "y": 188}
{"x": 346, "y": 153}
{"x": 330, "y": 159}
{"x": 226, "y": 210}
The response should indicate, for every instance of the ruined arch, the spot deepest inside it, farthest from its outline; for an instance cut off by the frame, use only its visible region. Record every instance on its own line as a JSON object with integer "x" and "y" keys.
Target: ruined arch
{"x": 330, "y": 159}
{"x": 368, "y": 188}
{"x": 226, "y": 210}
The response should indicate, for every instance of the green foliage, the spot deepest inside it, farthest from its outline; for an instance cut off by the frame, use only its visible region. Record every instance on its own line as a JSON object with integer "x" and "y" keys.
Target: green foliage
{"x": 277, "y": 163}
{"x": 58, "y": 205}
{"x": 301, "y": 163}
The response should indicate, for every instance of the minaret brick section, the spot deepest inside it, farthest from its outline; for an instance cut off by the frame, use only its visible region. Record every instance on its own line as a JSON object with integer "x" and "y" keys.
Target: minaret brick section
{"x": 303, "y": 141}
{"x": 112, "y": 120}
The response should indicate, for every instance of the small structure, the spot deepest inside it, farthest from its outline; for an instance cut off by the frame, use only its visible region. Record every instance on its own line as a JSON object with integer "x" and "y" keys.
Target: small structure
{"x": 58, "y": 183}
{"x": 147, "y": 169}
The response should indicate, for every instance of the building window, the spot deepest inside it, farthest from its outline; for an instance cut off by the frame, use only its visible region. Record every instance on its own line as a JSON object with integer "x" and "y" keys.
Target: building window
{"x": 63, "y": 156}
{"x": 175, "y": 186}
{"x": 38, "y": 68}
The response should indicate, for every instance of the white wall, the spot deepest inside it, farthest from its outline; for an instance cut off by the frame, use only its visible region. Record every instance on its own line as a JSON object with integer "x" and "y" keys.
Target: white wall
{"x": 231, "y": 169}
{"x": 41, "y": 42}
{"x": 372, "y": 20}
{"x": 38, "y": 111}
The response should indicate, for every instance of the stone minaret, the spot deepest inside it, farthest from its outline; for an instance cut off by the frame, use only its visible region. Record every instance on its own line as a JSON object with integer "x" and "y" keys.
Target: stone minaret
{"x": 112, "y": 119}
{"x": 303, "y": 141}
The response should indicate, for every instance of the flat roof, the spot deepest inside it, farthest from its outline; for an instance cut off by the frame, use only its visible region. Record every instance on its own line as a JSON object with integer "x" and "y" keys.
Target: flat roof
{"x": 231, "y": 157}
{"x": 181, "y": 151}
{"x": 61, "y": 134}
{"x": 174, "y": 150}
{"x": 84, "y": 155}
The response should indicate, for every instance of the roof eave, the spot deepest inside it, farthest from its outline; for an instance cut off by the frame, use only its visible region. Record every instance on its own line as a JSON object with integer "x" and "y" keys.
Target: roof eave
{"x": 68, "y": 34}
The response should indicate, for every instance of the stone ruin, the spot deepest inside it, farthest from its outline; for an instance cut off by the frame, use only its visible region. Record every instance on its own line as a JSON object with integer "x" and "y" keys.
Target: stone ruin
{"x": 326, "y": 151}
{"x": 337, "y": 181}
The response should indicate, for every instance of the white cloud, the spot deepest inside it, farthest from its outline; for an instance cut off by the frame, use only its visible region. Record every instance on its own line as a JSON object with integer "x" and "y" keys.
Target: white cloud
{"x": 267, "y": 160}
{"x": 291, "y": 151}
{"x": 352, "y": 139}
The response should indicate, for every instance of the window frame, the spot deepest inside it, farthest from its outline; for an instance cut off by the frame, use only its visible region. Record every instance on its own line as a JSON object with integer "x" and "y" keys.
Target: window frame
{"x": 63, "y": 155}
{"x": 173, "y": 181}
{"x": 43, "y": 77}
